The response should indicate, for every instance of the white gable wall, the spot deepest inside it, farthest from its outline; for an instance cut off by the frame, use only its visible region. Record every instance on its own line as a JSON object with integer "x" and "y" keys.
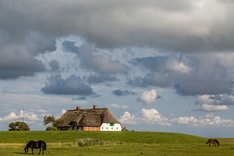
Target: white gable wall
{"x": 110, "y": 127}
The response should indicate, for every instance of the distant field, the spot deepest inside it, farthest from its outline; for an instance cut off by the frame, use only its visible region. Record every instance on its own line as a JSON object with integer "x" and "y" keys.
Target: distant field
{"x": 80, "y": 143}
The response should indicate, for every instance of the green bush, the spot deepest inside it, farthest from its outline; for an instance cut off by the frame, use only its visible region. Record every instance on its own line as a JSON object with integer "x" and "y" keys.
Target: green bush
{"x": 93, "y": 142}
{"x": 50, "y": 128}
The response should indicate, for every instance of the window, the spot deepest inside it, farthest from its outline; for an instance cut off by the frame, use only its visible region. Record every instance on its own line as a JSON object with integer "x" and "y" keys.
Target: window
{"x": 73, "y": 123}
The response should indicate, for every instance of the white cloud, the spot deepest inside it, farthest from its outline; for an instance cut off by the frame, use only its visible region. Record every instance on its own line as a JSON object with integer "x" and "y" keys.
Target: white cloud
{"x": 148, "y": 97}
{"x": 128, "y": 119}
{"x": 9, "y": 117}
{"x": 148, "y": 116}
{"x": 209, "y": 119}
{"x": 152, "y": 116}
{"x": 204, "y": 99}
{"x": 209, "y": 115}
{"x": 218, "y": 102}
{"x": 178, "y": 66}
{"x": 186, "y": 120}
{"x": 207, "y": 107}
{"x": 29, "y": 116}
{"x": 63, "y": 111}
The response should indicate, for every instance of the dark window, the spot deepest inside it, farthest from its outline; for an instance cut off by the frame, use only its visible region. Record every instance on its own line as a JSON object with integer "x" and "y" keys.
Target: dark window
{"x": 73, "y": 123}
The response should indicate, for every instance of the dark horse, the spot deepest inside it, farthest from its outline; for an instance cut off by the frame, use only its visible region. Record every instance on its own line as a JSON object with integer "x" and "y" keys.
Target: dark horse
{"x": 37, "y": 145}
{"x": 213, "y": 141}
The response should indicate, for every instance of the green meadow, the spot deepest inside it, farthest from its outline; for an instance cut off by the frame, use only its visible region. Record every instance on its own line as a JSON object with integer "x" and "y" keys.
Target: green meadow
{"x": 129, "y": 143}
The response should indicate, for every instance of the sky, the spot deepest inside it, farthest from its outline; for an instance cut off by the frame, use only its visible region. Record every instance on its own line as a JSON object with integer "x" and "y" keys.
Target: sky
{"x": 162, "y": 66}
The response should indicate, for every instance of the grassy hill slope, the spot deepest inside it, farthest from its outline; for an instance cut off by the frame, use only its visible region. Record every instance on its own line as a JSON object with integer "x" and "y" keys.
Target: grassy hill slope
{"x": 126, "y": 137}
{"x": 128, "y": 143}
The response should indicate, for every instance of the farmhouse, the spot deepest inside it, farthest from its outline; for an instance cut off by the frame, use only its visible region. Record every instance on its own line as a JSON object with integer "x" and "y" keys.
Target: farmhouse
{"x": 95, "y": 119}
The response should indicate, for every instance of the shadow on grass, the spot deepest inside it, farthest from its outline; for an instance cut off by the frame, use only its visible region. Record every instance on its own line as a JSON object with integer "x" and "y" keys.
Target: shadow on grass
{"x": 19, "y": 153}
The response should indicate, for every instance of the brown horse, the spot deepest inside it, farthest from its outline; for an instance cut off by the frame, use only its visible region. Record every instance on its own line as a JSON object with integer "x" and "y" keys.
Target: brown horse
{"x": 215, "y": 142}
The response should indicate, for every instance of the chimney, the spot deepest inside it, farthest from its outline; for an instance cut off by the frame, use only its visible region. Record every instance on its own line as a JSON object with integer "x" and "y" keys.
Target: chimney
{"x": 78, "y": 108}
{"x": 94, "y": 106}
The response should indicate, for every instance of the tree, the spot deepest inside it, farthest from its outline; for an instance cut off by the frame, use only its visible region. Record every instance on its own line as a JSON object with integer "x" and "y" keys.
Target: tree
{"x": 18, "y": 126}
{"x": 51, "y": 120}
{"x": 48, "y": 120}
{"x": 124, "y": 129}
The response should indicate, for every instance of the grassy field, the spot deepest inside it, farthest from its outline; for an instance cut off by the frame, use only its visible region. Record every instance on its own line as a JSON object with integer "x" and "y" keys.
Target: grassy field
{"x": 80, "y": 143}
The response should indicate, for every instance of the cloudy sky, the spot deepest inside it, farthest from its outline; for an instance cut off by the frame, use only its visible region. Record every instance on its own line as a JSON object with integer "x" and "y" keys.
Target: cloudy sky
{"x": 165, "y": 66}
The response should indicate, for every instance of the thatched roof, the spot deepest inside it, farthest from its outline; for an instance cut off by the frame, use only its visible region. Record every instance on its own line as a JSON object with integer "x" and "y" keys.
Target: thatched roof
{"x": 88, "y": 117}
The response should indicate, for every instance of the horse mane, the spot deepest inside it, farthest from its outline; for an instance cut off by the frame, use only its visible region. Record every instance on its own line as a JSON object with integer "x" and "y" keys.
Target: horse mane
{"x": 208, "y": 141}
{"x": 29, "y": 143}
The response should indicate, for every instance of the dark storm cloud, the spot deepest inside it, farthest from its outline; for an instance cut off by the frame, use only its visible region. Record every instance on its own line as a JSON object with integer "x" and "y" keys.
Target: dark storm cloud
{"x": 154, "y": 78}
{"x": 209, "y": 76}
{"x": 189, "y": 75}
{"x": 119, "y": 92}
{"x": 54, "y": 65}
{"x": 99, "y": 78}
{"x": 181, "y": 26}
{"x": 101, "y": 64}
{"x": 17, "y": 70}
{"x": 70, "y": 86}
{"x": 173, "y": 26}
{"x": 18, "y": 58}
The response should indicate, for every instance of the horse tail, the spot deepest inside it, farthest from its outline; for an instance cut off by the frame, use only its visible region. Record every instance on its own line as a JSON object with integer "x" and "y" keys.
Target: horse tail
{"x": 208, "y": 141}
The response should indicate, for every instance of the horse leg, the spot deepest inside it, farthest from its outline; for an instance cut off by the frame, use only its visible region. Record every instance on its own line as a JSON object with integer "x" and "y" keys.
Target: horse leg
{"x": 39, "y": 151}
{"x": 32, "y": 150}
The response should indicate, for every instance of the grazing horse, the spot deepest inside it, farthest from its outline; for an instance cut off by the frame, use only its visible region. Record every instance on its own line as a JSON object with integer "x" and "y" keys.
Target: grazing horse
{"x": 37, "y": 145}
{"x": 213, "y": 141}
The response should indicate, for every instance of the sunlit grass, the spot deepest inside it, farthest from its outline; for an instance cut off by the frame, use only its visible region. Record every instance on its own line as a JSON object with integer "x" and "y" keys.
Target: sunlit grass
{"x": 68, "y": 143}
